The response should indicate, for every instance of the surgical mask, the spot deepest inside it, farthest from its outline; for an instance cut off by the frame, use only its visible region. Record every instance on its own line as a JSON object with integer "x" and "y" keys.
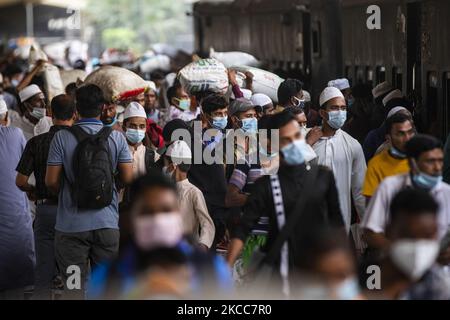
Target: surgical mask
{"x": 184, "y": 104}
{"x": 15, "y": 82}
{"x": 336, "y": 119}
{"x": 299, "y": 102}
{"x": 38, "y": 113}
{"x": 158, "y": 230}
{"x": 294, "y": 153}
{"x": 414, "y": 257}
{"x": 250, "y": 125}
{"x": 426, "y": 181}
{"x": 397, "y": 153}
{"x": 220, "y": 122}
{"x": 112, "y": 123}
{"x": 134, "y": 135}
{"x": 348, "y": 289}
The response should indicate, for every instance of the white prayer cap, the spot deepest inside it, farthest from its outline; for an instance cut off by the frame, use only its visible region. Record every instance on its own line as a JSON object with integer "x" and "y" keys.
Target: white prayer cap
{"x": 151, "y": 85}
{"x": 134, "y": 109}
{"x": 396, "y": 110}
{"x": 396, "y": 94}
{"x": 260, "y": 99}
{"x": 179, "y": 150}
{"x": 3, "y": 106}
{"x": 29, "y": 92}
{"x": 341, "y": 84}
{"x": 381, "y": 89}
{"x": 329, "y": 93}
{"x": 306, "y": 96}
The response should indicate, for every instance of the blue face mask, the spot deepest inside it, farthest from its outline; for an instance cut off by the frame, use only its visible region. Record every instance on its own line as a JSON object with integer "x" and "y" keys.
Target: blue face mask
{"x": 220, "y": 122}
{"x": 250, "y": 125}
{"x": 336, "y": 119}
{"x": 135, "y": 136}
{"x": 112, "y": 123}
{"x": 426, "y": 181}
{"x": 294, "y": 152}
{"x": 397, "y": 153}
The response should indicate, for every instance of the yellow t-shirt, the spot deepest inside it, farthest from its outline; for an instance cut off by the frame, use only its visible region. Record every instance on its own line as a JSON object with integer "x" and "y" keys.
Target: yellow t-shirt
{"x": 381, "y": 166}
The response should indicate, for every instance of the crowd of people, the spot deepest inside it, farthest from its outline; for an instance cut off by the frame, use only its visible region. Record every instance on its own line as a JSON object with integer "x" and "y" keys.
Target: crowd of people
{"x": 339, "y": 198}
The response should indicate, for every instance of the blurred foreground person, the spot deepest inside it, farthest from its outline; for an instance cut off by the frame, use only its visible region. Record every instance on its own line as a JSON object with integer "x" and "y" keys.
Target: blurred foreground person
{"x": 408, "y": 269}
{"x": 16, "y": 234}
{"x": 158, "y": 261}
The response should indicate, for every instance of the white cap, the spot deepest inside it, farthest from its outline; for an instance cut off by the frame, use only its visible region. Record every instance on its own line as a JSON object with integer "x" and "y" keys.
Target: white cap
{"x": 329, "y": 93}
{"x": 179, "y": 150}
{"x": 134, "y": 109}
{"x": 381, "y": 89}
{"x": 306, "y": 96}
{"x": 3, "y": 107}
{"x": 29, "y": 92}
{"x": 396, "y": 94}
{"x": 395, "y": 110}
{"x": 341, "y": 84}
{"x": 260, "y": 99}
{"x": 151, "y": 85}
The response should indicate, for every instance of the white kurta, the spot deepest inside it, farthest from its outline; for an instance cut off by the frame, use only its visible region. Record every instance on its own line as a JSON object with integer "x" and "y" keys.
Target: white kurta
{"x": 344, "y": 156}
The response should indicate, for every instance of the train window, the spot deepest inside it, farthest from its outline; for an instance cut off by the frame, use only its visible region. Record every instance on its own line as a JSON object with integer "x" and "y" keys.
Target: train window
{"x": 381, "y": 74}
{"x": 397, "y": 78}
{"x": 316, "y": 45}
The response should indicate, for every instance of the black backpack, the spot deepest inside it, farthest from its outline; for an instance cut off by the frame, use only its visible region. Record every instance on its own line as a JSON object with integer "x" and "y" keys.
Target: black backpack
{"x": 93, "y": 171}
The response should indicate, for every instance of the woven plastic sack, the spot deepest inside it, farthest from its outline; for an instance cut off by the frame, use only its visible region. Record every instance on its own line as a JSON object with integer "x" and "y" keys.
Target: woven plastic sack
{"x": 69, "y": 76}
{"x": 118, "y": 84}
{"x": 204, "y": 75}
{"x": 53, "y": 84}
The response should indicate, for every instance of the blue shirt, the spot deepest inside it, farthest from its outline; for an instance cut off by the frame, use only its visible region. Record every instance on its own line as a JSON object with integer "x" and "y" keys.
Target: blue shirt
{"x": 70, "y": 218}
{"x": 16, "y": 234}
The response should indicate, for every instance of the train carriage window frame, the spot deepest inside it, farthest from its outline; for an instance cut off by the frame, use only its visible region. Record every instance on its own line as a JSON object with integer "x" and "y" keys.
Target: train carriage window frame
{"x": 316, "y": 44}
{"x": 432, "y": 98}
{"x": 348, "y": 73}
{"x": 369, "y": 75}
{"x": 380, "y": 74}
{"x": 359, "y": 74}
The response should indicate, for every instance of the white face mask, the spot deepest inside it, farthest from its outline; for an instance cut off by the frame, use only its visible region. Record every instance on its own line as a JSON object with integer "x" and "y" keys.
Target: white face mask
{"x": 167, "y": 173}
{"x": 414, "y": 257}
{"x": 158, "y": 230}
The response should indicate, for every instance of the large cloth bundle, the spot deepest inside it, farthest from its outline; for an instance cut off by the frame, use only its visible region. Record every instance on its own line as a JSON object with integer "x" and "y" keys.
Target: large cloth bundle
{"x": 161, "y": 62}
{"x": 69, "y": 76}
{"x": 263, "y": 81}
{"x": 118, "y": 84}
{"x": 234, "y": 58}
{"x": 204, "y": 75}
